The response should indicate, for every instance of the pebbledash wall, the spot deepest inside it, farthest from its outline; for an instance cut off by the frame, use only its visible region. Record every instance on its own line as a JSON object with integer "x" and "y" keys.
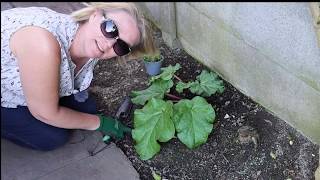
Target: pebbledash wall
{"x": 268, "y": 51}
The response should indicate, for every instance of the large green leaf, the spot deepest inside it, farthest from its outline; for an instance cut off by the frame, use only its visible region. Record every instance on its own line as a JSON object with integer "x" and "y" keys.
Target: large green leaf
{"x": 167, "y": 73}
{"x": 193, "y": 121}
{"x": 157, "y": 90}
{"x": 207, "y": 84}
{"x": 181, "y": 86}
{"x": 152, "y": 123}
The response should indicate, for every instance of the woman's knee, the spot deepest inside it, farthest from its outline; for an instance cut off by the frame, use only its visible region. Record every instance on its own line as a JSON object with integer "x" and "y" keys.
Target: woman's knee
{"x": 40, "y": 141}
{"x": 52, "y": 140}
{"x": 19, "y": 126}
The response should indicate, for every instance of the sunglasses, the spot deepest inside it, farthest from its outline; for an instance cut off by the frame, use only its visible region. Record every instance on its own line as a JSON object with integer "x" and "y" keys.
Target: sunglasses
{"x": 110, "y": 30}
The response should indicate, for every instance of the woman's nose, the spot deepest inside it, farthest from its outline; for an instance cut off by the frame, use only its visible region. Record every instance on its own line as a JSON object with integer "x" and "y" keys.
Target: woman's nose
{"x": 110, "y": 42}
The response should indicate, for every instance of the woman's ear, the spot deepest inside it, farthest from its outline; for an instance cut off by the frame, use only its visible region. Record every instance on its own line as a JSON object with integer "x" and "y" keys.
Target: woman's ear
{"x": 96, "y": 15}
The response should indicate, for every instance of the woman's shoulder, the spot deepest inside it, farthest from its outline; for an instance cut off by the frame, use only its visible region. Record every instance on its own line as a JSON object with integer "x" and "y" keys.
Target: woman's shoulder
{"x": 12, "y": 20}
{"x": 25, "y": 10}
{"x": 33, "y": 36}
{"x": 32, "y": 14}
{"x": 40, "y": 21}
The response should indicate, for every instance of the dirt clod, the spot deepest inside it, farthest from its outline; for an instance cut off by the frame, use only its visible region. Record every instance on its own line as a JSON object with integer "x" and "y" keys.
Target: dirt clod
{"x": 248, "y": 134}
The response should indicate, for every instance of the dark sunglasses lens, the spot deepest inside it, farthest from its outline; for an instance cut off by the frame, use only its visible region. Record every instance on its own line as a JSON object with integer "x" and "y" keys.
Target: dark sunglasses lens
{"x": 121, "y": 48}
{"x": 109, "y": 29}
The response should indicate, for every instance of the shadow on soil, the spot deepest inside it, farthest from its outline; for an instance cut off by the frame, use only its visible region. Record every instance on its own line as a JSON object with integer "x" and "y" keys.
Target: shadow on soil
{"x": 247, "y": 142}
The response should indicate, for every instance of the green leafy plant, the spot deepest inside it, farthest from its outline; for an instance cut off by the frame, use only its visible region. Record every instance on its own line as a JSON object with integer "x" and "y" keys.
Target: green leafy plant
{"x": 205, "y": 85}
{"x": 152, "y": 58}
{"x": 159, "y": 119}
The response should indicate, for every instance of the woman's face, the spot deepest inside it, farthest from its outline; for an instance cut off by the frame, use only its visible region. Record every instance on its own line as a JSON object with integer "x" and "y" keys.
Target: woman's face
{"x": 97, "y": 45}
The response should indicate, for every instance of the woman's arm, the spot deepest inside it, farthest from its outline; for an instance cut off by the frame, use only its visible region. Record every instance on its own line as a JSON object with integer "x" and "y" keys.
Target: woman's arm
{"x": 38, "y": 55}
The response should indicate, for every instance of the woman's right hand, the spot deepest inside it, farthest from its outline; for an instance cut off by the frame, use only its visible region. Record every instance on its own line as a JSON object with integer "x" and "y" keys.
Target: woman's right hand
{"x": 112, "y": 127}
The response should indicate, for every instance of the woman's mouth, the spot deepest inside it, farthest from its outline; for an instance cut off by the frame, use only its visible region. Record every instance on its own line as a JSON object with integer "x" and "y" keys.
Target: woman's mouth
{"x": 100, "y": 49}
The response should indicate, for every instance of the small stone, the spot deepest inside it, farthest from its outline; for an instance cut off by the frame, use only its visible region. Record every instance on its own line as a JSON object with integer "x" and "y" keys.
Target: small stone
{"x": 273, "y": 156}
{"x": 214, "y": 143}
{"x": 258, "y": 173}
{"x": 268, "y": 121}
{"x": 290, "y": 142}
{"x": 226, "y": 116}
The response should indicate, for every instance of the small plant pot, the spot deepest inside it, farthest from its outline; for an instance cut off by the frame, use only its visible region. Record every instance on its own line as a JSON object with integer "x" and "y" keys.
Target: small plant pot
{"x": 153, "y": 68}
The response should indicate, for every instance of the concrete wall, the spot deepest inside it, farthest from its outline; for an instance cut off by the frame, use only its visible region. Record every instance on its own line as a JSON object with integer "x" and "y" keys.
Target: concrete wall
{"x": 269, "y": 51}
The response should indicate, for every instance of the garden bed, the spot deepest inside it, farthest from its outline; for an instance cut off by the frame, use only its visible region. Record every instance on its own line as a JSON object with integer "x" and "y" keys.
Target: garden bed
{"x": 280, "y": 152}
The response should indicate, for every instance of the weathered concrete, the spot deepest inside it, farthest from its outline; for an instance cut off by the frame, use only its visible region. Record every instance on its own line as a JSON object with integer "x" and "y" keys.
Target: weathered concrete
{"x": 315, "y": 10}
{"x": 163, "y": 15}
{"x": 269, "y": 51}
{"x": 71, "y": 161}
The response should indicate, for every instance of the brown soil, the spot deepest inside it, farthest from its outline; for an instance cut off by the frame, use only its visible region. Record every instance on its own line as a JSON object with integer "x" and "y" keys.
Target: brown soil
{"x": 247, "y": 142}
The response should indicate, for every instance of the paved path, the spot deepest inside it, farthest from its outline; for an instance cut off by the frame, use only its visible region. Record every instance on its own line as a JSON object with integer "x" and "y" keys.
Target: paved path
{"x": 72, "y": 161}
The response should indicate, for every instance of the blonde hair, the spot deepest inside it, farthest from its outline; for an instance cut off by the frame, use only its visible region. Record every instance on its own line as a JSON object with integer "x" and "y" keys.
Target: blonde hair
{"x": 146, "y": 44}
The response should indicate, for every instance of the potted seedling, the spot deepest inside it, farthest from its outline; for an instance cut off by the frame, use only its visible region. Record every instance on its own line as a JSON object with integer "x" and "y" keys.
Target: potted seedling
{"x": 153, "y": 63}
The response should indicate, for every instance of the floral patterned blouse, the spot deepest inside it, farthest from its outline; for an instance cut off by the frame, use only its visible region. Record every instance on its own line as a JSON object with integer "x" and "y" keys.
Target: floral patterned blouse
{"x": 63, "y": 27}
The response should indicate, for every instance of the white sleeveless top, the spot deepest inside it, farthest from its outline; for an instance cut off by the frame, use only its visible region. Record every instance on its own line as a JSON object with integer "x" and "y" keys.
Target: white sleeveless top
{"x": 63, "y": 27}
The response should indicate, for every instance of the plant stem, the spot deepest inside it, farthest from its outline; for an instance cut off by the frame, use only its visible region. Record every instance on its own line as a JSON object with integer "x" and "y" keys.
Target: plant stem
{"x": 177, "y": 77}
{"x": 173, "y": 96}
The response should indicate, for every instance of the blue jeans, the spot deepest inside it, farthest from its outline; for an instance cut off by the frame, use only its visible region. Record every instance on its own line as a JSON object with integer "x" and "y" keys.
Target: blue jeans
{"x": 19, "y": 126}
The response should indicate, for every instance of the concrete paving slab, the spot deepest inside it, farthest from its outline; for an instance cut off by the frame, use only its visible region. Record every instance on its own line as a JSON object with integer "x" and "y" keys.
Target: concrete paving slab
{"x": 72, "y": 161}
{"x": 111, "y": 164}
